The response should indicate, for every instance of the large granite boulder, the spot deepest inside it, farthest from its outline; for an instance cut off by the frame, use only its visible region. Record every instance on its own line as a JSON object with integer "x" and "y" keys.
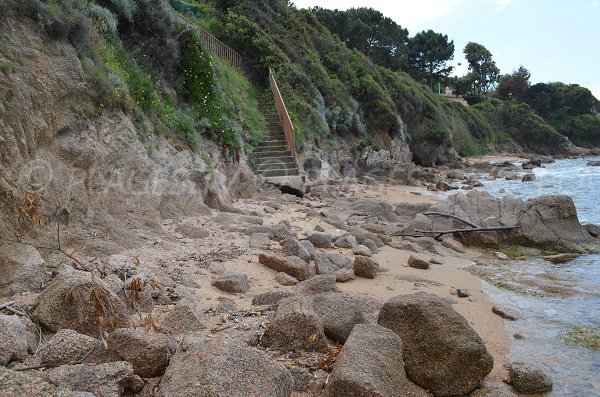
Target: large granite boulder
{"x": 216, "y": 368}
{"x": 295, "y": 327}
{"x": 442, "y": 352}
{"x": 546, "y": 221}
{"x": 336, "y": 264}
{"x": 529, "y": 378}
{"x": 371, "y": 365}
{"x": 13, "y": 339}
{"x": 291, "y": 265}
{"x": 103, "y": 380}
{"x": 149, "y": 352}
{"x": 338, "y": 314}
{"x": 21, "y": 384}
{"x": 74, "y": 300}
{"x": 21, "y": 269}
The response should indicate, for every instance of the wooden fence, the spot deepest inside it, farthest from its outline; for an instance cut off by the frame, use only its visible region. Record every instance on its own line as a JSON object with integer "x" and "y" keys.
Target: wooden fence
{"x": 284, "y": 117}
{"x": 211, "y": 44}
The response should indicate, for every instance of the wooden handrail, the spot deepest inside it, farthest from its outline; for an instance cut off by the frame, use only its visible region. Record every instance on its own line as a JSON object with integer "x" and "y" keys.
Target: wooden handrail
{"x": 284, "y": 116}
{"x": 211, "y": 44}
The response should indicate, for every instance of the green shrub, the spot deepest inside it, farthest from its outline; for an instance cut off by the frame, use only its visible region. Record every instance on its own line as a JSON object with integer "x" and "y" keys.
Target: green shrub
{"x": 5, "y": 67}
{"x": 104, "y": 20}
{"x": 124, "y": 8}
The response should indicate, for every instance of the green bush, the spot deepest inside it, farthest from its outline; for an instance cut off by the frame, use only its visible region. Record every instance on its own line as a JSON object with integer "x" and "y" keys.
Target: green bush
{"x": 104, "y": 20}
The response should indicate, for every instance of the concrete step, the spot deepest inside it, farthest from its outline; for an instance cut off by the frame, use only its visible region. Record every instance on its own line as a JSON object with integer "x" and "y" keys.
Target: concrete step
{"x": 271, "y": 149}
{"x": 284, "y": 158}
{"x": 260, "y": 157}
{"x": 283, "y": 172}
{"x": 288, "y": 165}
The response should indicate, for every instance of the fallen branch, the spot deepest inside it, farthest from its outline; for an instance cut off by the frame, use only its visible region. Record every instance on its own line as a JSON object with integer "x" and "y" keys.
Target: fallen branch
{"x": 453, "y": 217}
{"x": 477, "y": 229}
{"x": 7, "y": 304}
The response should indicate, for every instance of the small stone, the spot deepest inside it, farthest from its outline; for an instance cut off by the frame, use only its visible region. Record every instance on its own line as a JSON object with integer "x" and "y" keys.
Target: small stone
{"x": 320, "y": 240}
{"x": 502, "y": 256}
{"x": 453, "y": 245}
{"x": 417, "y": 262}
{"x": 528, "y": 178}
{"x": 291, "y": 265}
{"x": 319, "y": 229}
{"x": 361, "y": 250}
{"x": 529, "y": 379}
{"x": 348, "y": 241}
{"x": 285, "y": 279}
{"x": 435, "y": 261}
{"x": 260, "y": 240}
{"x": 317, "y": 284}
{"x": 462, "y": 293}
{"x": 365, "y": 267}
{"x": 506, "y": 313}
{"x": 232, "y": 282}
{"x": 293, "y": 247}
{"x": 371, "y": 245}
{"x": 270, "y": 298}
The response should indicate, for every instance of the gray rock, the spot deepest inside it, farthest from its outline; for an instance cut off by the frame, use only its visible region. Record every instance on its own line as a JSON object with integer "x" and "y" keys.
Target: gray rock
{"x": 293, "y": 247}
{"x": 591, "y": 163}
{"x": 361, "y": 250}
{"x": 418, "y": 262}
{"x": 529, "y": 378}
{"x": 506, "y": 313}
{"x": 317, "y": 285}
{"x": 260, "y": 240}
{"x": 22, "y": 269}
{"x": 348, "y": 241}
{"x": 441, "y": 351}
{"x": 295, "y": 327}
{"x": 291, "y": 265}
{"x": 338, "y": 315}
{"x": 365, "y": 267}
{"x": 370, "y": 364}
{"x": 182, "y": 319}
{"x": 149, "y": 352}
{"x": 285, "y": 279}
{"x": 309, "y": 247}
{"x": 320, "y": 240}
{"x": 66, "y": 304}
{"x": 192, "y": 232}
{"x": 68, "y": 346}
{"x": 232, "y": 282}
{"x": 593, "y": 230}
{"x": 336, "y": 264}
{"x": 229, "y": 368}
{"x": 22, "y": 384}
{"x": 371, "y": 245}
{"x": 528, "y": 178}
{"x": 103, "y": 380}
{"x": 270, "y": 298}
{"x": 278, "y": 232}
{"x": 302, "y": 378}
{"x": 546, "y": 221}
{"x": 453, "y": 245}
{"x": 561, "y": 258}
{"x": 462, "y": 293}
{"x": 493, "y": 389}
{"x": 13, "y": 339}
{"x": 443, "y": 186}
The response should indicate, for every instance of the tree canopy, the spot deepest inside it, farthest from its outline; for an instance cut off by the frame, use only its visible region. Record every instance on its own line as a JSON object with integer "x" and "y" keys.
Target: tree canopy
{"x": 483, "y": 72}
{"x": 369, "y": 31}
{"x": 428, "y": 56}
{"x": 514, "y": 86}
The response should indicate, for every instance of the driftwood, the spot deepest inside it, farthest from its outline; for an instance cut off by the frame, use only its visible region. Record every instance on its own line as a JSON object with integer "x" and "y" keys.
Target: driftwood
{"x": 451, "y": 216}
{"x": 440, "y": 233}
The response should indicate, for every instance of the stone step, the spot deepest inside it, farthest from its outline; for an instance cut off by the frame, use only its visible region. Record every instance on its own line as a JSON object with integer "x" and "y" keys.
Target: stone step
{"x": 284, "y": 158}
{"x": 282, "y": 172}
{"x": 262, "y": 152}
{"x": 288, "y": 165}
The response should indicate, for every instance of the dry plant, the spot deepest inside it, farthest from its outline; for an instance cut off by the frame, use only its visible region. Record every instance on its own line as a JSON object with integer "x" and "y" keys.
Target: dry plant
{"x": 30, "y": 214}
{"x": 327, "y": 361}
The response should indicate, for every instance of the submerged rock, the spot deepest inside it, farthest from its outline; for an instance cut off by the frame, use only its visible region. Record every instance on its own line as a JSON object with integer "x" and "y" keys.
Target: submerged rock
{"x": 529, "y": 378}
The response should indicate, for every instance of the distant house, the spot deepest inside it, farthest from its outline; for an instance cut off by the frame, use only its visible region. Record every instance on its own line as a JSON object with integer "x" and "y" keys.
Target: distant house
{"x": 454, "y": 98}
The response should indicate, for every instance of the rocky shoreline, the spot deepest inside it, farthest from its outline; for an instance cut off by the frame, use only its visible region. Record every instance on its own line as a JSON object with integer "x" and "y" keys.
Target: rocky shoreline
{"x": 351, "y": 290}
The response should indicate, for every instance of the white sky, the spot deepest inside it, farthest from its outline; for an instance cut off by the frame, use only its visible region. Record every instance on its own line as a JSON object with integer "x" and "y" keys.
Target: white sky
{"x": 557, "y": 40}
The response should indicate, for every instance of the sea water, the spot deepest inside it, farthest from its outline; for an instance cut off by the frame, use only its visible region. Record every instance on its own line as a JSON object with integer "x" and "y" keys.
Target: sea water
{"x": 546, "y": 322}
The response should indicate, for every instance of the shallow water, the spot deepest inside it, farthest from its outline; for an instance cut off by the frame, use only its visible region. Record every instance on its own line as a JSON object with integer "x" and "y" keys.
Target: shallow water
{"x": 575, "y": 370}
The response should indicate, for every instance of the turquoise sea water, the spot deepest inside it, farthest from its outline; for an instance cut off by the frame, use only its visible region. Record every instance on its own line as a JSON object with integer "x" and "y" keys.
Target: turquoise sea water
{"x": 575, "y": 370}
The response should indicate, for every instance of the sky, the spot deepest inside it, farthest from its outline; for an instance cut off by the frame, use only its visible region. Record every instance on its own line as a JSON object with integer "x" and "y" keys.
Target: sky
{"x": 556, "y": 40}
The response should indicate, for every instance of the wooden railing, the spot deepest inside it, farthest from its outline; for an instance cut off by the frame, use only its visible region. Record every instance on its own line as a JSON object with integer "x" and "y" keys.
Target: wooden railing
{"x": 284, "y": 117}
{"x": 211, "y": 44}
